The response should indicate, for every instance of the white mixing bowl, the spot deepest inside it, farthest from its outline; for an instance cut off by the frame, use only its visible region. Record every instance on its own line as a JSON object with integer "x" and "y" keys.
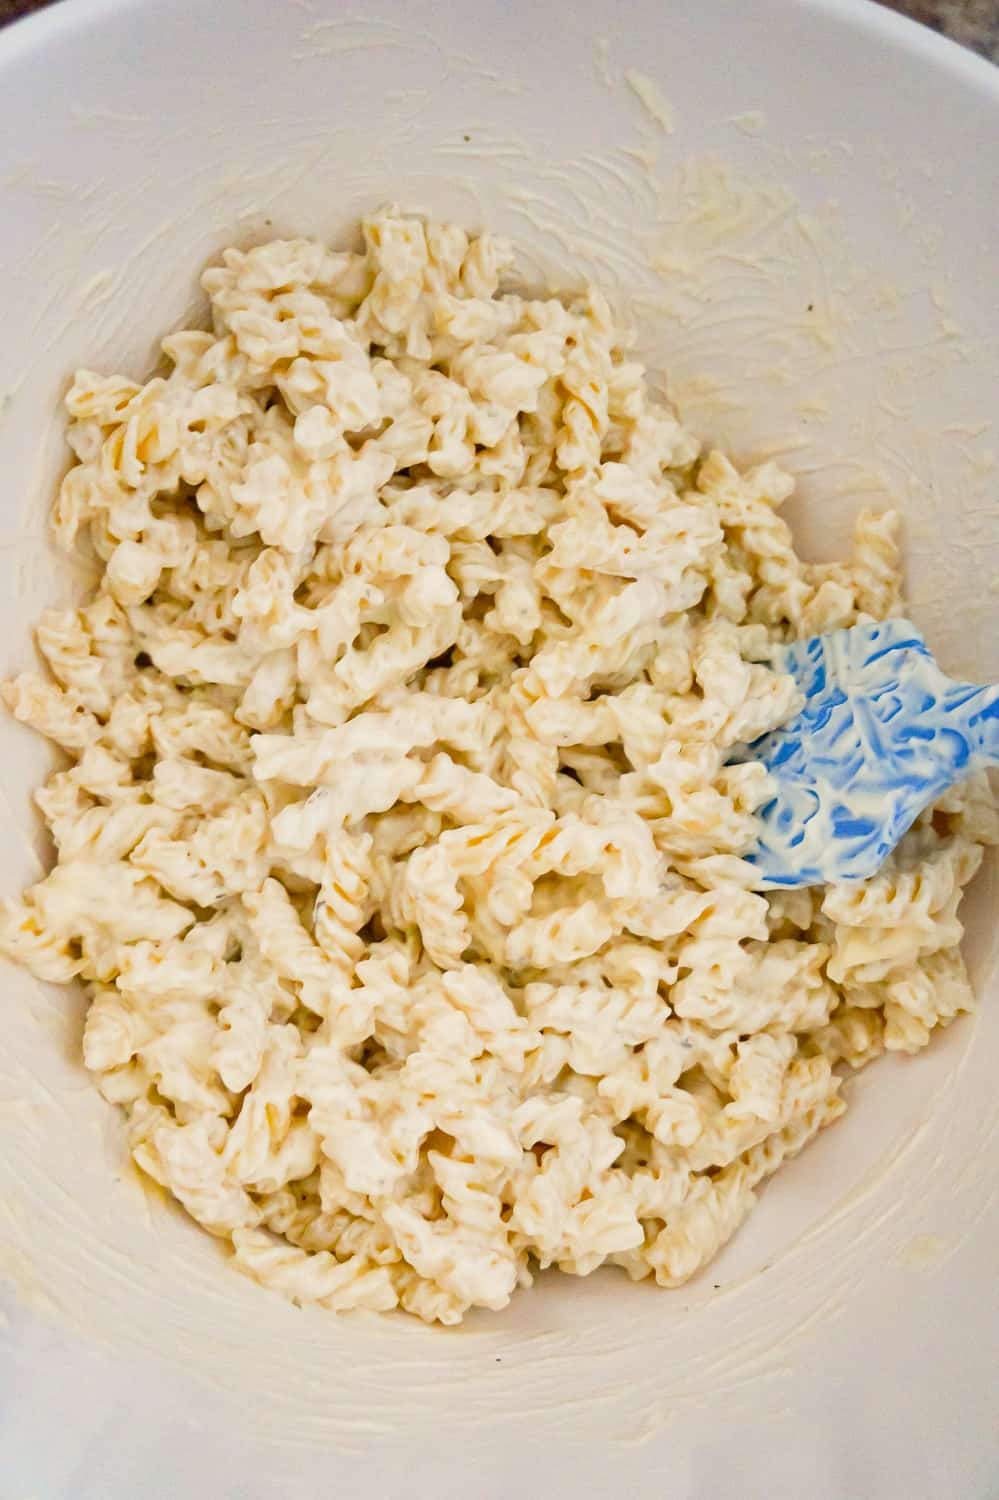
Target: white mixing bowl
{"x": 796, "y": 202}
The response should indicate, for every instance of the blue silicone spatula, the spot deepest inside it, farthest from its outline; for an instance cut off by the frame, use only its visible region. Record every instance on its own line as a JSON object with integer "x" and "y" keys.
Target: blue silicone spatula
{"x": 882, "y": 734}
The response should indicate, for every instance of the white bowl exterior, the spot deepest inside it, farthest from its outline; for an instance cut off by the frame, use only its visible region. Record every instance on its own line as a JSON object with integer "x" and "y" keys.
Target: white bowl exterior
{"x": 804, "y": 240}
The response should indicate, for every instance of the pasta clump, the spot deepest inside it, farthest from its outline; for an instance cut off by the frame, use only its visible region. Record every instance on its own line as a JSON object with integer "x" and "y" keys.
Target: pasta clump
{"x": 397, "y": 845}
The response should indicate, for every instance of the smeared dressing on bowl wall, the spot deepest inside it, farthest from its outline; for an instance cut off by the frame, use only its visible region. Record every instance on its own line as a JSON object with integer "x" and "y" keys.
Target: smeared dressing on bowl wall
{"x": 733, "y": 251}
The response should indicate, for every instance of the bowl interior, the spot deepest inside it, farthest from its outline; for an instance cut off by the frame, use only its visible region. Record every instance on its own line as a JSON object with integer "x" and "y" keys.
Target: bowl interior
{"x": 786, "y": 201}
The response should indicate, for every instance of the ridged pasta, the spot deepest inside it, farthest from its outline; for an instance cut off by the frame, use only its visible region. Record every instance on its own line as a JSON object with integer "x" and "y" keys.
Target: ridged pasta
{"x": 399, "y": 851}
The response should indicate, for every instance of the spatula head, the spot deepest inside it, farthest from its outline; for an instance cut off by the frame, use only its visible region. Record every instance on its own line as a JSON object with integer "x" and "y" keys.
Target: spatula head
{"x": 881, "y": 734}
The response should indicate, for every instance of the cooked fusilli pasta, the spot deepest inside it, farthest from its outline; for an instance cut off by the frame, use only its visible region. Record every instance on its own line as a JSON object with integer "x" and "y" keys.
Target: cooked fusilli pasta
{"x": 398, "y": 848}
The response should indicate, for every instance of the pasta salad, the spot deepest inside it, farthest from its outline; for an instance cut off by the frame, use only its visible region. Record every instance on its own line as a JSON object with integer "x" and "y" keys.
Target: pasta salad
{"x": 397, "y": 844}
